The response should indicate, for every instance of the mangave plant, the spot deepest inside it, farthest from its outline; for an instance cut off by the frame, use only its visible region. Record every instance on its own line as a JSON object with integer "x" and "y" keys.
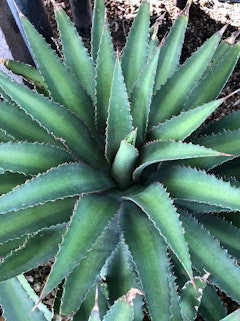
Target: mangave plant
{"x": 108, "y": 168}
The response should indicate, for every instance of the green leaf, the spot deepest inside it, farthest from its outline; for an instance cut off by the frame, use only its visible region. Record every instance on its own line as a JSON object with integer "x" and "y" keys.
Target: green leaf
{"x": 10, "y": 180}
{"x": 4, "y": 137}
{"x": 124, "y": 164}
{"x": 191, "y": 297}
{"x": 234, "y": 316}
{"x": 98, "y": 21}
{"x": 206, "y": 253}
{"x": 195, "y": 207}
{"x": 152, "y": 271}
{"x": 134, "y": 54}
{"x": 53, "y": 70}
{"x": 217, "y": 76}
{"x": 141, "y": 95}
{"x": 169, "y": 99}
{"x": 7, "y": 248}
{"x": 31, "y": 158}
{"x": 158, "y": 151}
{"x": 77, "y": 284}
{"x": 104, "y": 74}
{"x": 21, "y": 126}
{"x": 94, "y": 213}
{"x": 207, "y": 188}
{"x": 119, "y": 122}
{"x": 225, "y": 142}
{"x": 18, "y": 299}
{"x": 119, "y": 283}
{"x": 49, "y": 114}
{"x": 227, "y": 122}
{"x": 228, "y": 169}
{"x": 122, "y": 309}
{"x": 75, "y": 53}
{"x": 175, "y": 311}
{"x": 37, "y": 249}
{"x": 153, "y": 38}
{"x": 171, "y": 49}
{"x": 181, "y": 126}
{"x": 156, "y": 204}
{"x": 89, "y": 304}
{"x": 67, "y": 180}
{"x": 226, "y": 233}
{"x": 95, "y": 315}
{"x": 27, "y": 221}
{"x": 211, "y": 308}
{"x": 28, "y": 72}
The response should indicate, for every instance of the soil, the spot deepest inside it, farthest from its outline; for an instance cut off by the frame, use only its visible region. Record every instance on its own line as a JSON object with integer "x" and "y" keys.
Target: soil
{"x": 206, "y": 17}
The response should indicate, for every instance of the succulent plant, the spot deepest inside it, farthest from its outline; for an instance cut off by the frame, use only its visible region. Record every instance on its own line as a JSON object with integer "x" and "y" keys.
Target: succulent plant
{"x": 107, "y": 167}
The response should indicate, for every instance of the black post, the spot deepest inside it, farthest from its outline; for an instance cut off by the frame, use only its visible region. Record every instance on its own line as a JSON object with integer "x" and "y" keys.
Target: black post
{"x": 82, "y": 16}
{"x": 12, "y": 35}
{"x": 181, "y": 3}
{"x": 35, "y": 11}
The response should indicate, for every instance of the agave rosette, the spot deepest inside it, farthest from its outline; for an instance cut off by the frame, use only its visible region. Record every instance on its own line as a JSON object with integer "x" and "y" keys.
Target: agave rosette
{"x": 103, "y": 168}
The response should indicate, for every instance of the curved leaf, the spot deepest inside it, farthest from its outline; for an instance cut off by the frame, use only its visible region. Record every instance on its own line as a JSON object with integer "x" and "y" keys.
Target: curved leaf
{"x": 151, "y": 261}
{"x": 33, "y": 219}
{"x": 119, "y": 122}
{"x": 226, "y": 233}
{"x": 190, "y": 297}
{"x": 97, "y": 27}
{"x": 206, "y": 254}
{"x": 141, "y": 95}
{"x": 217, "y": 76}
{"x": 207, "y": 188}
{"x": 75, "y": 53}
{"x": 228, "y": 169}
{"x": 159, "y": 151}
{"x": 175, "y": 310}
{"x": 171, "y": 49}
{"x": 72, "y": 132}
{"x": 225, "y": 142}
{"x": 104, "y": 75}
{"x": 21, "y": 126}
{"x": 134, "y": 54}
{"x": 31, "y": 158}
{"x": 84, "y": 275}
{"x": 4, "y": 137}
{"x": 122, "y": 309}
{"x": 53, "y": 70}
{"x": 211, "y": 307}
{"x": 234, "y": 316}
{"x": 13, "y": 293}
{"x": 91, "y": 216}
{"x": 169, "y": 99}
{"x": 10, "y": 180}
{"x": 181, "y": 126}
{"x": 124, "y": 164}
{"x": 28, "y": 72}
{"x": 227, "y": 122}
{"x": 37, "y": 249}
{"x": 67, "y": 180}
{"x": 7, "y": 248}
{"x": 156, "y": 204}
